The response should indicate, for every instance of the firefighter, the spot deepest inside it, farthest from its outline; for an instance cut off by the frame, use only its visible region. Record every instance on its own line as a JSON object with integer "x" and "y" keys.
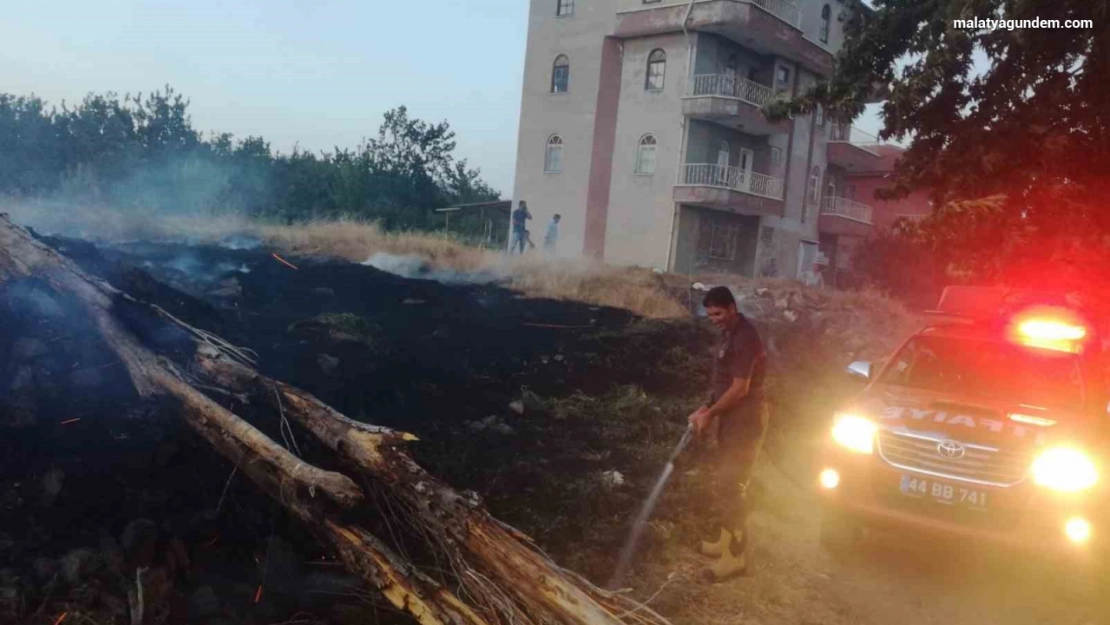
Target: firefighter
{"x": 736, "y": 407}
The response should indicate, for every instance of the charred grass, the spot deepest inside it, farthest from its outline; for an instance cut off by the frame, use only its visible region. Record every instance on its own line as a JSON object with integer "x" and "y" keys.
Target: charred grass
{"x": 356, "y": 240}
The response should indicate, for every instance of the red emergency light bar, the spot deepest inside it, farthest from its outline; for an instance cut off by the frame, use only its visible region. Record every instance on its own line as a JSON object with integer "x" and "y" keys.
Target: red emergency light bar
{"x": 1041, "y": 320}
{"x": 1047, "y": 327}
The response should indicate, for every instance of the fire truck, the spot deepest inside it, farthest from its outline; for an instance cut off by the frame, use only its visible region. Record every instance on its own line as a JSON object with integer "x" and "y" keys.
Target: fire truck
{"x": 991, "y": 423}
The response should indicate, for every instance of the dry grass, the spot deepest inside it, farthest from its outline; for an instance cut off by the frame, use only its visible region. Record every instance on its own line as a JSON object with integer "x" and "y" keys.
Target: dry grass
{"x": 356, "y": 240}
{"x": 639, "y": 290}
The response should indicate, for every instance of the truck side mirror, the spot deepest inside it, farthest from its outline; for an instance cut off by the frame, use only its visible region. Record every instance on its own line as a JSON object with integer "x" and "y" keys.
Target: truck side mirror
{"x": 860, "y": 369}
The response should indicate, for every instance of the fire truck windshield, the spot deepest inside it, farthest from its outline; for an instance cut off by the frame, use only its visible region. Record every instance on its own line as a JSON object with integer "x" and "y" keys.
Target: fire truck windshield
{"x": 989, "y": 370}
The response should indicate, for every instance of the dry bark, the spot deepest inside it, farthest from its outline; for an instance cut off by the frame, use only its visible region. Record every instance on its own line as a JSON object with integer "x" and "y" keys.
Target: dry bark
{"x": 505, "y": 578}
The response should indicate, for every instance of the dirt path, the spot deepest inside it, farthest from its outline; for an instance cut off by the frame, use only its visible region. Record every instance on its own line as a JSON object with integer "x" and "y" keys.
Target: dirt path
{"x": 892, "y": 580}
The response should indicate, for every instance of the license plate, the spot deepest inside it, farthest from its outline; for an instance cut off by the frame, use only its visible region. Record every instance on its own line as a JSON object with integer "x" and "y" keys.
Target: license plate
{"x": 943, "y": 493}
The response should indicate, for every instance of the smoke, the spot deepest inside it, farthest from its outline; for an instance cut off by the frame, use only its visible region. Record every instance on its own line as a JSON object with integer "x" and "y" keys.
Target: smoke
{"x": 415, "y": 267}
{"x": 239, "y": 241}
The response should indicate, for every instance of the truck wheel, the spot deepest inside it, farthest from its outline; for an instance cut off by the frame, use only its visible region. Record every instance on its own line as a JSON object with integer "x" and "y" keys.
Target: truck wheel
{"x": 840, "y": 532}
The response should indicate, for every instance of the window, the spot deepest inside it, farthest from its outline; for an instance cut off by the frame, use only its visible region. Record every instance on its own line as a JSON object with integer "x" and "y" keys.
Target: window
{"x": 850, "y": 191}
{"x": 731, "y": 65}
{"x": 723, "y": 154}
{"x": 553, "y": 156}
{"x": 820, "y": 117}
{"x": 729, "y": 84}
{"x": 989, "y": 370}
{"x": 766, "y": 236}
{"x": 722, "y": 240}
{"x": 560, "y": 74}
{"x": 826, "y": 18}
{"x": 564, "y": 8}
{"x": 656, "y": 70}
{"x": 814, "y": 191}
{"x": 782, "y": 80}
{"x": 830, "y": 188}
{"x": 645, "y": 156}
{"x": 776, "y": 156}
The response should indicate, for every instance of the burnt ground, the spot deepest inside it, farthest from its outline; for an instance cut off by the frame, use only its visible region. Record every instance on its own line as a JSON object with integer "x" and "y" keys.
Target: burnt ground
{"x": 84, "y": 503}
{"x": 95, "y": 483}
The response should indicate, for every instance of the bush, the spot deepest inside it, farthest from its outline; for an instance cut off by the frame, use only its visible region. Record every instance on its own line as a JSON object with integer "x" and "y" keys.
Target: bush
{"x": 902, "y": 268}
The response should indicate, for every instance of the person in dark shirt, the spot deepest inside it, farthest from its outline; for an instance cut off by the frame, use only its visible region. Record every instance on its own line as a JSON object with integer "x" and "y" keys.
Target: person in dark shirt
{"x": 736, "y": 404}
{"x": 520, "y": 219}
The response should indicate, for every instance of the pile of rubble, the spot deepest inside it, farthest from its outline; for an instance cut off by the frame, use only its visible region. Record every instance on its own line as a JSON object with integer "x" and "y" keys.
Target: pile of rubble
{"x": 847, "y": 324}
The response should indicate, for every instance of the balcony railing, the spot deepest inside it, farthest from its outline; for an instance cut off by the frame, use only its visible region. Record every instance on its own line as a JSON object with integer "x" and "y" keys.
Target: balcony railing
{"x": 731, "y": 86}
{"x": 848, "y": 209}
{"x": 782, "y": 9}
{"x": 844, "y": 133}
{"x": 912, "y": 217}
{"x": 710, "y": 175}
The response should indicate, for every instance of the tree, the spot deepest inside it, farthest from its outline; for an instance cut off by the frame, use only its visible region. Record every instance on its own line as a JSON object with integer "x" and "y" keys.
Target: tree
{"x": 30, "y": 159}
{"x": 1009, "y": 128}
{"x": 143, "y": 151}
{"x": 497, "y": 576}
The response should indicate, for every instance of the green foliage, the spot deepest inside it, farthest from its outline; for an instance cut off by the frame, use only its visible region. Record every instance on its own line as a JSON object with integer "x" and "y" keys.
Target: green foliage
{"x": 138, "y": 151}
{"x": 1007, "y": 128}
{"x": 901, "y": 266}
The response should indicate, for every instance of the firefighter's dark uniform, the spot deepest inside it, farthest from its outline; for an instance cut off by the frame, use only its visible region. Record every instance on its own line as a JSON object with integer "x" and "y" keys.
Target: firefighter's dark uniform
{"x": 739, "y": 438}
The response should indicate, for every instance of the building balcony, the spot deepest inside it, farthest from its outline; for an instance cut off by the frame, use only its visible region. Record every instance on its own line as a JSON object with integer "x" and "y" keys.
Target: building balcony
{"x": 730, "y": 189}
{"x": 841, "y": 216}
{"x": 853, "y": 149}
{"x": 912, "y": 217}
{"x": 731, "y": 101}
{"x": 764, "y": 26}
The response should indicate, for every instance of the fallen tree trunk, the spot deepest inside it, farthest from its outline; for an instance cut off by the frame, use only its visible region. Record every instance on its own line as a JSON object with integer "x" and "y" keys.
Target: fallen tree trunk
{"x": 505, "y": 578}
{"x": 494, "y": 548}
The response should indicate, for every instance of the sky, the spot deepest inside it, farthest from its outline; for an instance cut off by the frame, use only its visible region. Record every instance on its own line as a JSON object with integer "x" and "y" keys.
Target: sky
{"x": 313, "y": 73}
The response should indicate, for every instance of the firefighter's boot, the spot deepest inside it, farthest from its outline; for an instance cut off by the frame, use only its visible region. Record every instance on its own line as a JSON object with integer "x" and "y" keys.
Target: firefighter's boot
{"x": 714, "y": 550}
{"x": 731, "y": 563}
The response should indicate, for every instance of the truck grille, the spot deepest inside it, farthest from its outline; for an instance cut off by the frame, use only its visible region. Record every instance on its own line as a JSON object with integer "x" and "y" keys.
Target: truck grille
{"x": 978, "y": 463}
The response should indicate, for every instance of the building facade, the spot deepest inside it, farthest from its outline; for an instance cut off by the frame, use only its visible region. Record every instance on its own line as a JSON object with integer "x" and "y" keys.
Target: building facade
{"x": 642, "y": 125}
{"x": 859, "y": 166}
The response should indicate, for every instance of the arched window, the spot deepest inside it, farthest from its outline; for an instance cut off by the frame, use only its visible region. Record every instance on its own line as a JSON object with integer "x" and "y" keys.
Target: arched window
{"x": 656, "y": 70}
{"x": 560, "y": 74}
{"x": 830, "y": 188}
{"x": 564, "y": 8}
{"x": 553, "y": 155}
{"x": 826, "y": 19}
{"x": 645, "y": 155}
{"x": 814, "y": 194}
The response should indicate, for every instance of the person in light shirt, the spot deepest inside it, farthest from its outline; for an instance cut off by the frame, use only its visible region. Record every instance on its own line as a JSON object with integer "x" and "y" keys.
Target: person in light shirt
{"x": 551, "y": 237}
{"x": 813, "y": 277}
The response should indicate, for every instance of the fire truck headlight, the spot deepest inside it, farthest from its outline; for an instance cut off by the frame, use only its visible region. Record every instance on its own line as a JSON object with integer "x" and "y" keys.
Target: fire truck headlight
{"x": 1064, "y": 469}
{"x": 854, "y": 432}
{"x": 1078, "y": 530}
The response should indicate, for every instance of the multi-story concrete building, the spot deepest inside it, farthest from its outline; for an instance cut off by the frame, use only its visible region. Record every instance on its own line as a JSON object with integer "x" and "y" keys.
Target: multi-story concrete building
{"x": 641, "y": 124}
{"x": 850, "y": 212}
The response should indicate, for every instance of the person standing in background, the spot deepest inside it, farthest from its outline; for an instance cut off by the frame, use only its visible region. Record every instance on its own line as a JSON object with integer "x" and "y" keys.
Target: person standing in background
{"x": 551, "y": 237}
{"x": 520, "y": 219}
{"x": 813, "y": 276}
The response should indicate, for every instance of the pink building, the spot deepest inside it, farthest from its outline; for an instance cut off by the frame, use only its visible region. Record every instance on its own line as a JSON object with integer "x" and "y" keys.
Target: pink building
{"x": 858, "y": 165}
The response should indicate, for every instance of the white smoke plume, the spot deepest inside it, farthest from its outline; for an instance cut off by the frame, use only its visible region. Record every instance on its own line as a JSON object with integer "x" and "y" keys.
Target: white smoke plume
{"x": 416, "y": 267}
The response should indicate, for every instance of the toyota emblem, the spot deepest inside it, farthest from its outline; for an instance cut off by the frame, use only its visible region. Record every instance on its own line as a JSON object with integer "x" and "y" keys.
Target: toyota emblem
{"x": 951, "y": 450}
